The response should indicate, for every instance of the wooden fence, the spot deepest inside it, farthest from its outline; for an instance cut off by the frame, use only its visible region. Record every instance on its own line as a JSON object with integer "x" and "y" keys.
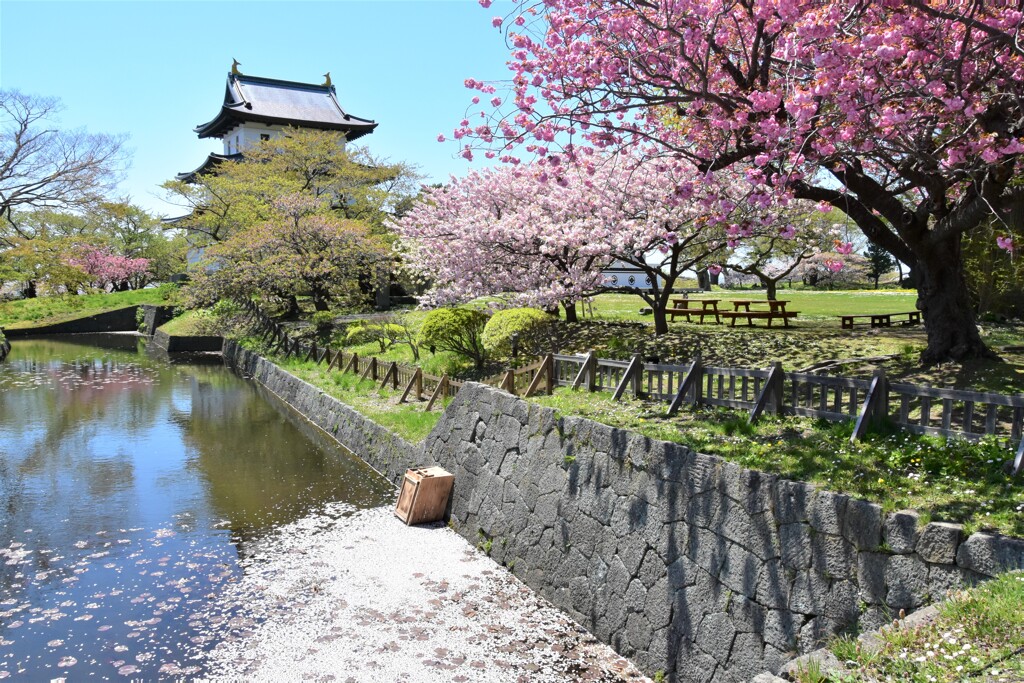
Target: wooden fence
{"x": 415, "y": 384}
{"x": 918, "y": 409}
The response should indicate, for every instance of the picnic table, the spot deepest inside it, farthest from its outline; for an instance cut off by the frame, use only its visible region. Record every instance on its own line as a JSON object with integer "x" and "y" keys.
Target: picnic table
{"x": 685, "y": 306}
{"x": 883, "y": 319}
{"x": 741, "y": 308}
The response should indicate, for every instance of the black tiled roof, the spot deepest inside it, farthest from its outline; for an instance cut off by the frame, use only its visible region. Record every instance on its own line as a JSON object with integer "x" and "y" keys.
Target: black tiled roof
{"x": 211, "y": 162}
{"x": 269, "y": 101}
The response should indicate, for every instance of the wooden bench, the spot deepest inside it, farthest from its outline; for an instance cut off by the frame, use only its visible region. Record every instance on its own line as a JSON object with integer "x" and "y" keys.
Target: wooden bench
{"x": 760, "y": 315}
{"x": 883, "y": 319}
{"x": 702, "y": 312}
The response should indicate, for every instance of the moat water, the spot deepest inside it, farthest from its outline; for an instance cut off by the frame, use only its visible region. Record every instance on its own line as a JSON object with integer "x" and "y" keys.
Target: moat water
{"x": 131, "y": 492}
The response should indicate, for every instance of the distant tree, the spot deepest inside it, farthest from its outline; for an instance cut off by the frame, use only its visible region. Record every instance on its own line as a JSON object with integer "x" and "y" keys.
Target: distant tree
{"x": 44, "y": 167}
{"x": 43, "y": 265}
{"x": 107, "y": 269}
{"x": 880, "y": 262}
{"x": 773, "y": 256}
{"x": 301, "y": 248}
{"x": 316, "y": 164}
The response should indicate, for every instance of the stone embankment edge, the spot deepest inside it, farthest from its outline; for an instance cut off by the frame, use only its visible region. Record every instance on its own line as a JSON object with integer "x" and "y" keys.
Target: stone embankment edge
{"x": 687, "y": 564}
{"x": 120, "y": 320}
{"x": 386, "y": 452}
{"x": 5, "y": 346}
{"x": 187, "y": 344}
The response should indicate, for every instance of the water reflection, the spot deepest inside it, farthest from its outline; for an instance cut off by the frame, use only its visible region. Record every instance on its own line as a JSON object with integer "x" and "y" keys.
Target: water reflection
{"x": 128, "y": 487}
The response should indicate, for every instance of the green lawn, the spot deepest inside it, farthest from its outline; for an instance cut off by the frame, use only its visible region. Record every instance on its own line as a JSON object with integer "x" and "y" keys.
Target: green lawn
{"x": 816, "y": 305}
{"x": 55, "y": 309}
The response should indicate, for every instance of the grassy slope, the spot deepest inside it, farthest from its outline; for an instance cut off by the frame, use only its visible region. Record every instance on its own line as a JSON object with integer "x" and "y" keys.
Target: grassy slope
{"x": 946, "y": 481}
{"x": 978, "y": 635}
{"x": 188, "y": 323}
{"x": 408, "y": 420}
{"x": 55, "y": 309}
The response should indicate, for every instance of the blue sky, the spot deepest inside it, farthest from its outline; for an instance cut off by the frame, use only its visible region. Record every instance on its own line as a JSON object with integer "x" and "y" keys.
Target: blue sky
{"x": 154, "y": 70}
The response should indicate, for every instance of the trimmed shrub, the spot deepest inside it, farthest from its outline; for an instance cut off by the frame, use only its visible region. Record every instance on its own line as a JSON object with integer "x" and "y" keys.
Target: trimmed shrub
{"x": 529, "y": 323}
{"x": 458, "y": 330}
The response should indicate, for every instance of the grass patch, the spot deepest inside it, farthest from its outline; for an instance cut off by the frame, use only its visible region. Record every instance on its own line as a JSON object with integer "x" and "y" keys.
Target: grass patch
{"x": 48, "y": 310}
{"x": 978, "y": 635}
{"x": 190, "y": 323}
{"x": 408, "y": 420}
{"x": 953, "y": 481}
{"x": 811, "y": 304}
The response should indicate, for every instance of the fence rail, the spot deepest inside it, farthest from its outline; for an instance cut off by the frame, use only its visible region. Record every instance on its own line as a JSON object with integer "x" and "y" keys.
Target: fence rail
{"x": 918, "y": 409}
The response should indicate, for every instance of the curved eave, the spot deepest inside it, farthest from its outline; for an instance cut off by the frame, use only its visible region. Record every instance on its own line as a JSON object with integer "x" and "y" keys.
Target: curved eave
{"x": 228, "y": 118}
{"x": 211, "y": 162}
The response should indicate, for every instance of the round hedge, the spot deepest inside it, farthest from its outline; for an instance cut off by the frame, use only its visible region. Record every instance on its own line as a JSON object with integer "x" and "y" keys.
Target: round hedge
{"x": 528, "y": 323}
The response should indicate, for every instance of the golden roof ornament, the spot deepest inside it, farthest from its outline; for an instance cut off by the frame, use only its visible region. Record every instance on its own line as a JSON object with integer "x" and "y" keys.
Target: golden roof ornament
{"x": 327, "y": 83}
{"x": 234, "y": 67}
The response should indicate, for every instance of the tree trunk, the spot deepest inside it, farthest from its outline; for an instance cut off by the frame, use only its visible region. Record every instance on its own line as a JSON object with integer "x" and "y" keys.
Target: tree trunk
{"x": 658, "y": 305}
{"x": 570, "y": 312}
{"x": 704, "y": 280}
{"x": 945, "y": 304}
{"x": 771, "y": 289}
{"x": 30, "y": 291}
{"x": 293, "y": 310}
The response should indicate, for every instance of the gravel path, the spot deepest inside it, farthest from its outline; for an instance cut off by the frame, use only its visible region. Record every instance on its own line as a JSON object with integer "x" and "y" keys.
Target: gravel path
{"x": 362, "y": 597}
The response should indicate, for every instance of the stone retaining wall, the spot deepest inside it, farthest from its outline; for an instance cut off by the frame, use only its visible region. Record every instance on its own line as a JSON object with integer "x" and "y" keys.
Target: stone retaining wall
{"x": 120, "y": 320}
{"x": 155, "y": 316}
{"x": 685, "y": 563}
{"x": 187, "y": 344}
{"x": 383, "y": 450}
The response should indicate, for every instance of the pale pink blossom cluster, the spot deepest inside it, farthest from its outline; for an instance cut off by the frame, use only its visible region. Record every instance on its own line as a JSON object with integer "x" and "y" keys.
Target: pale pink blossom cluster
{"x": 1005, "y": 242}
{"x": 541, "y": 235}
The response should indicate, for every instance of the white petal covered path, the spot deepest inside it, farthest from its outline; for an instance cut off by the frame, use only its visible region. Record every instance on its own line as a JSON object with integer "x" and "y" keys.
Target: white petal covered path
{"x": 364, "y": 598}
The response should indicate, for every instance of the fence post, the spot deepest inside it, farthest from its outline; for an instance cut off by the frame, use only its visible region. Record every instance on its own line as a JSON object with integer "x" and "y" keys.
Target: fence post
{"x": 353, "y": 364}
{"x": 312, "y": 352}
{"x": 508, "y": 382}
{"x": 371, "y": 369}
{"x": 442, "y": 386}
{"x": 875, "y": 406}
{"x": 771, "y": 394}
{"x": 586, "y": 371}
{"x": 1018, "y": 461}
{"x": 392, "y": 372}
{"x": 334, "y": 360}
{"x": 631, "y": 375}
{"x": 417, "y": 382}
{"x": 691, "y": 384}
{"x": 546, "y": 367}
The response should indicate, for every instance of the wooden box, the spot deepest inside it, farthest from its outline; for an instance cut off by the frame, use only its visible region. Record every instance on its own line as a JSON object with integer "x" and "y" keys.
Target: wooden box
{"x": 424, "y": 495}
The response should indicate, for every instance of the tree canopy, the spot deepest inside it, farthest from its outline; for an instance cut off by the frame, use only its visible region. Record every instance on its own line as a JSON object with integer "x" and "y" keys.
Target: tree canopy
{"x": 43, "y": 167}
{"x": 905, "y": 115}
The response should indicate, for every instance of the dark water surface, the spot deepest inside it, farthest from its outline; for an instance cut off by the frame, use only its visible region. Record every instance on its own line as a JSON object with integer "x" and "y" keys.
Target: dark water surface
{"x": 130, "y": 490}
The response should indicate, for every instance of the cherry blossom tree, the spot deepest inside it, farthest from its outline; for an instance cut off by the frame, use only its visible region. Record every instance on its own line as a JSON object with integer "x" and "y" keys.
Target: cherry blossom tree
{"x": 803, "y": 233}
{"x": 105, "y": 268}
{"x": 543, "y": 232}
{"x": 502, "y": 232}
{"x": 905, "y": 115}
